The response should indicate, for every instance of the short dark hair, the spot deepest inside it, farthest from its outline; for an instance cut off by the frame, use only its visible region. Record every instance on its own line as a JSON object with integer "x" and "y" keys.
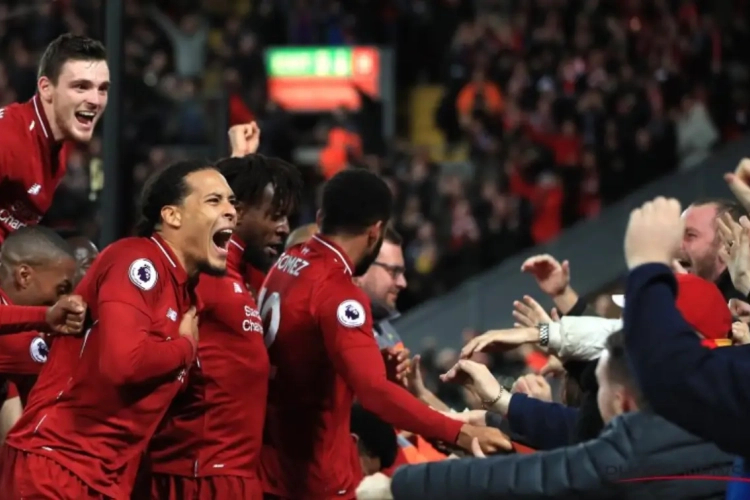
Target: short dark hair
{"x": 376, "y": 438}
{"x": 723, "y": 206}
{"x": 248, "y": 177}
{"x": 392, "y": 236}
{"x": 69, "y": 47}
{"x": 354, "y": 200}
{"x": 35, "y": 245}
{"x": 165, "y": 187}
{"x": 618, "y": 367}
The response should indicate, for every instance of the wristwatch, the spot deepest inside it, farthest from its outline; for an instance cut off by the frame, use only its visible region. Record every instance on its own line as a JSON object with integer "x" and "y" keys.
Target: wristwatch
{"x": 543, "y": 334}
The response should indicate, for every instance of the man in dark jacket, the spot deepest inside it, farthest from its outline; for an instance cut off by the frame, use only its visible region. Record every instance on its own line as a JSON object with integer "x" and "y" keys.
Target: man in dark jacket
{"x": 702, "y": 390}
{"x": 636, "y": 446}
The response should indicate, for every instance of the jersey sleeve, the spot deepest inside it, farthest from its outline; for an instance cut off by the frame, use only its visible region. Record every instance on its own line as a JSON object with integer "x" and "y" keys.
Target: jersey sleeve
{"x": 129, "y": 354}
{"x": 345, "y": 321}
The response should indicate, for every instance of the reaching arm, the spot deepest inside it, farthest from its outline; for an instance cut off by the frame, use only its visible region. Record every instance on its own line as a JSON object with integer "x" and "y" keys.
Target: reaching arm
{"x": 543, "y": 425}
{"x": 347, "y": 332}
{"x": 19, "y": 319}
{"x": 580, "y": 337}
{"x": 676, "y": 374}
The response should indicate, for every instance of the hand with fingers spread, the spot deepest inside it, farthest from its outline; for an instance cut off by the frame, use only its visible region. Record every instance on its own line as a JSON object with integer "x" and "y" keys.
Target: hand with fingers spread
{"x": 654, "y": 233}
{"x": 244, "y": 139}
{"x": 477, "y": 378}
{"x": 740, "y": 309}
{"x": 528, "y": 313}
{"x": 739, "y": 182}
{"x": 735, "y": 249}
{"x": 740, "y": 333}
{"x": 552, "y": 276}
{"x": 535, "y": 386}
{"x": 500, "y": 339}
{"x": 66, "y": 317}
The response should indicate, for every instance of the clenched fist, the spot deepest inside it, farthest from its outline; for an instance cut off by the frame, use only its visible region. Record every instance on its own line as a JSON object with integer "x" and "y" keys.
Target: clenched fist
{"x": 654, "y": 233}
{"x": 67, "y": 315}
{"x": 244, "y": 139}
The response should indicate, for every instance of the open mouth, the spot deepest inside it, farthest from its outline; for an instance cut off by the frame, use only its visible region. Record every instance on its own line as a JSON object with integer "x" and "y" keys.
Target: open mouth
{"x": 221, "y": 241}
{"x": 85, "y": 118}
{"x": 684, "y": 263}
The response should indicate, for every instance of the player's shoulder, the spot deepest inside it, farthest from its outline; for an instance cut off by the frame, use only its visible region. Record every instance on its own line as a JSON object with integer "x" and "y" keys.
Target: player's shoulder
{"x": 140, "y": 258}
{"x": 14, "y": 122}
{"x": 219, "y": 289}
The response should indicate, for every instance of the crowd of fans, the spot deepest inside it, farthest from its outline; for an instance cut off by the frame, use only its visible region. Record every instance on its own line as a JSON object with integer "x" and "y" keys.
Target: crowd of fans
{"x": 565, "y": 106}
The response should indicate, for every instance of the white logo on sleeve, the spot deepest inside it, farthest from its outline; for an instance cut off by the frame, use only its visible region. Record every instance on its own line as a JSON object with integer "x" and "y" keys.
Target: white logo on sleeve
{"x": 39, "y": 350}
{"x": 351, "y": 313}
{"x": 143, "y": 274}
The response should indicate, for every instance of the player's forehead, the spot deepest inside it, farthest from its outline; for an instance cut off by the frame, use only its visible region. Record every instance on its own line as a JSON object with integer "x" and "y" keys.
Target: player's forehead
{"x": 206, "y": 182}
{"x": 85, "y": 70}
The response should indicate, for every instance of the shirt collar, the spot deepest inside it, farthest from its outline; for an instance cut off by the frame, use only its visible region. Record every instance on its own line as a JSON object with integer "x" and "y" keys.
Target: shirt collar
{"x": 178, "y": 271}
{"x": 325, "y": 245}
{"x": 43, "y": 129}
{"x": 235, "y": 262}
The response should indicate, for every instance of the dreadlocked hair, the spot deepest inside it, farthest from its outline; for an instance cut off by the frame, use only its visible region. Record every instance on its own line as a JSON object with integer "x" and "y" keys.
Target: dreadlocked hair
{"x": 248, "y": 177}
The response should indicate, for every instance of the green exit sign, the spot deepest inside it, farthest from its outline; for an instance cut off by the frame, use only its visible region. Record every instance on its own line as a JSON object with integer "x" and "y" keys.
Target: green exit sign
{"x": 310, "y": 62}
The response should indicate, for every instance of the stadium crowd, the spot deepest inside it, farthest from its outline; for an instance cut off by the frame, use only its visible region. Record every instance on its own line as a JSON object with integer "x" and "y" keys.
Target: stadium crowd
{"x": 212, "y": 409}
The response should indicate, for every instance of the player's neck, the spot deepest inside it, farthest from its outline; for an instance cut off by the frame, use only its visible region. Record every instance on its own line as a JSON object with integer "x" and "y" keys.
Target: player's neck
{"x": 190, "y": 267}
{"x": 353, "y": 246}
{"x": 49, "y": 114}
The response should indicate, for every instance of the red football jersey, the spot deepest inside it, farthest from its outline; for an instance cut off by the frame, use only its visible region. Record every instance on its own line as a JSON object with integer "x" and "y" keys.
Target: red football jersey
{"x": 215, "y": 427}
{"x": 323, "y": 351}
{"x": 32, "y": 165}
{"x": 99, "y": 398}
{"x": 22, "y": 356}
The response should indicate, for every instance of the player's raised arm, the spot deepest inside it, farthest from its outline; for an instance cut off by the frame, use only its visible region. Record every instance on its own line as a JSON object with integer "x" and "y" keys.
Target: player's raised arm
{"x": 128, "y": 353}
{"x": 344, "y": 317}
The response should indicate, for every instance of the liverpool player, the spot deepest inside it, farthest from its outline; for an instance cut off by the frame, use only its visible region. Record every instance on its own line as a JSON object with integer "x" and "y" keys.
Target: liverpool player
{"x": 209, "y": 446}
{"x": 37, "y": 267}
{"x": 71, "y": 97}
{"x": 318, "y": 327}
{"x": 99, "y": 399}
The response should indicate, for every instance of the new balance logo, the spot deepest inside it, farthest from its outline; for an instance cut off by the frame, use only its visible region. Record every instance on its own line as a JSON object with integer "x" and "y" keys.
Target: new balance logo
{"x": 34, "y": 190}
{"x": 237, "y": 288}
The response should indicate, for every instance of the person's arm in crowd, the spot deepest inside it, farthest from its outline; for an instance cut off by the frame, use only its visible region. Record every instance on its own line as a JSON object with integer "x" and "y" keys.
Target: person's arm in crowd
{"x": 571, "y": 472}
{"x": 580, "y": 338}
{"x": 543, "y": 425}
{"x": 702, "y": 390}
{"x": 165, "y": 23}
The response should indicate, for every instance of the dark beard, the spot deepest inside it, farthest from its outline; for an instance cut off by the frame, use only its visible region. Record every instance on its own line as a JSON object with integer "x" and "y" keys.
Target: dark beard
{"x": 364, "y": 264}
{"x": 206, "y": 268}
{"x": 257, "y": 257}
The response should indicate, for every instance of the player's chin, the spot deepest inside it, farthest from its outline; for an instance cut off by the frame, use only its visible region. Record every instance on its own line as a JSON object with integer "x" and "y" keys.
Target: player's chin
{"x": 214, "y": 266}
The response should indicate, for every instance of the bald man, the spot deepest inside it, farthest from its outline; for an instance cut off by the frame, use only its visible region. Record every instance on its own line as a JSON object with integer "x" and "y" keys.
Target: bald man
{"x": 301, "y": 234}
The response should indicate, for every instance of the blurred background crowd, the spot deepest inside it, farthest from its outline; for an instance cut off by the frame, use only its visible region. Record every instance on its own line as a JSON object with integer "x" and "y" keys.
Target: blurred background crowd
{"x": 514, "y": 118}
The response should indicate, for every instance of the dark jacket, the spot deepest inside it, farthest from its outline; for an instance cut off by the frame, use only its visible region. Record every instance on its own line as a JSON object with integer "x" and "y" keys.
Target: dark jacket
{"x": 385, "y": 334}
{"x": 538, "y": 424}
{"x": 633, "y": 446}
{"x": 702, "y": 390}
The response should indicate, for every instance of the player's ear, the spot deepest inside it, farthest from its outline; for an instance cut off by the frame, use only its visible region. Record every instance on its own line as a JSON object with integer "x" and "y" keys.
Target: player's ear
{"x": 319, "y": 218}
{"x": 172, "y": 216}
{"x": 375, "y": 232}
{"x": 23, "y": 275}
{"x": 45, "y": 88}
